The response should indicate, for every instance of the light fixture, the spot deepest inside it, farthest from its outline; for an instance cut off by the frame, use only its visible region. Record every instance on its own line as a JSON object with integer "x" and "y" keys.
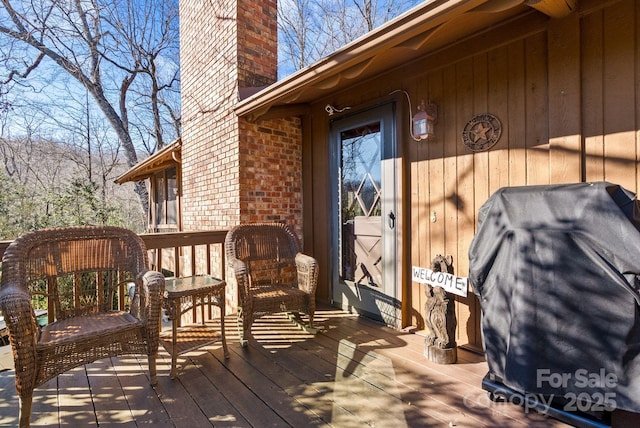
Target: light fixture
{"x": 423, "y": 121}
{"x": 331, "y": 110}
{"x": 421, "y": 125}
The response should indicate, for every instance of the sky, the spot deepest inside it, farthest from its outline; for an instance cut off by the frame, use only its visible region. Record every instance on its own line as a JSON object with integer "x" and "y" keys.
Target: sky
{"x": 54, "y": 105}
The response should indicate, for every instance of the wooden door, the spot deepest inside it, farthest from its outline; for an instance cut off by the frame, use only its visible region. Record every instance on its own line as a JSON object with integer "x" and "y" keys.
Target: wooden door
{"x": 365, "y": 214}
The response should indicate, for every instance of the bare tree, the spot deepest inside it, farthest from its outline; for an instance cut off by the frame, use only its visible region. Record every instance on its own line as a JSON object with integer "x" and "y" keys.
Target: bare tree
{"x": 311, "y": 29}
{"x": 295, "y": 22}
{"x": 91, "y": 151}
{"x": 35, "y": 171}
{"x": 115, "y": 49}
{"x": 48, "y": 183}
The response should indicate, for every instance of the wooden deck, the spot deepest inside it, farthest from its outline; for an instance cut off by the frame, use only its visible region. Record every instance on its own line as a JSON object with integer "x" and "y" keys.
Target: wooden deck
{"x": 354, "y": 373}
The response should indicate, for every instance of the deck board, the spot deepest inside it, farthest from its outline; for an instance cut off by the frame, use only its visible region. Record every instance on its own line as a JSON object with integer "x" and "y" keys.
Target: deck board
{"x": 215, "y": 407}
{"x": 111, "y": 405}
{"x": 353, "y": 373}
{"x": 145, "y": 403}
{"x": 45, "y": 404}
{"x": 437, "y": 389}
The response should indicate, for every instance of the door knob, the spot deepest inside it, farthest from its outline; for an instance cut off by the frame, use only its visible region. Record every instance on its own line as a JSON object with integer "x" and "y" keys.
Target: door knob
{"x": 392, "y": 220}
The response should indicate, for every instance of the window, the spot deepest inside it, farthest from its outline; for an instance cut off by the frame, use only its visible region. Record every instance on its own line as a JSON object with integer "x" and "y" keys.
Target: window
{"x": 164, "y": 201}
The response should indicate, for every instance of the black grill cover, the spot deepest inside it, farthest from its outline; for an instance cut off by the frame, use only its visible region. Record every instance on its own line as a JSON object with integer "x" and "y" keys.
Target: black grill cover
{"x": 556, "y": 269}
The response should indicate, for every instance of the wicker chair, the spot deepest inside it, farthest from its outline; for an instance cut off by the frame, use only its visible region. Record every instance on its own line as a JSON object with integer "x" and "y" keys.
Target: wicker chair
{"x": 79, "y": 274}
{"x": 271, "y": 273}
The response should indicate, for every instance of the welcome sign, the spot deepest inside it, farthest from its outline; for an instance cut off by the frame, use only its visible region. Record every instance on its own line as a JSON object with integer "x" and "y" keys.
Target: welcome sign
{"x": 451, "y": 283}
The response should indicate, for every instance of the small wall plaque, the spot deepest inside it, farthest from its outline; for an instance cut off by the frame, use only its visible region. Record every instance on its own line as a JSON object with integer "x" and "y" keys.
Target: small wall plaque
{"x": 482, "y": 132}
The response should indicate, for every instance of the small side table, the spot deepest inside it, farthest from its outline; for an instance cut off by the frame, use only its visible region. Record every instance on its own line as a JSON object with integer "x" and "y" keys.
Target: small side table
{"x": 186, "y": 294}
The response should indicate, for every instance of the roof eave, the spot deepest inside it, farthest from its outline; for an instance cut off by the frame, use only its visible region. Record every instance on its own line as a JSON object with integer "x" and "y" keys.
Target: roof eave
{"x": 169, "y": 154}
{"x": 404, "y": 27}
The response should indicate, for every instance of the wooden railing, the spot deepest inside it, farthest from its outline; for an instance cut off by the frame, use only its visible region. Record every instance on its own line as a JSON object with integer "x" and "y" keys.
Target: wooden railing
{"x": 3, "y": 246}
{"x": 187, "y": 253}
{"x": 197, "y": 252}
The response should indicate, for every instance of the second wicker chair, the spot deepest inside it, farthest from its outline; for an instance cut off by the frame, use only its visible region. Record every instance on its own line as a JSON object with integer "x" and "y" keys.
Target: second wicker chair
{"x": 271, "y": 273}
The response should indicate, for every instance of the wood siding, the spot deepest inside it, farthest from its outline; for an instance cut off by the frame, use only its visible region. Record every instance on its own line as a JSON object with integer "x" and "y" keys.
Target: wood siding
{"x": 567, "y": 94}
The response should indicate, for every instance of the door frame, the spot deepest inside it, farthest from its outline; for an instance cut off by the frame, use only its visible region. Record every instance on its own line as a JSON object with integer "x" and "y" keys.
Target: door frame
{"x": 393, "y": 268}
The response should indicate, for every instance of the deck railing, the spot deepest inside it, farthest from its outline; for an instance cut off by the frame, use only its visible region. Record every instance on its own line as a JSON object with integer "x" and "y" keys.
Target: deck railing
{"x": 181, "y": 253}
{"x": 177, "y": 254}
{"x": 187, "y": 253}
{"x": 3, "y": 246}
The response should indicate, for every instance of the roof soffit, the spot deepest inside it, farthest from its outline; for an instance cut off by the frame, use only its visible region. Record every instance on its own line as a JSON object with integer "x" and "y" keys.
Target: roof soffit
{"x": 422, "y": 30}
{"x": 165, "y": 158}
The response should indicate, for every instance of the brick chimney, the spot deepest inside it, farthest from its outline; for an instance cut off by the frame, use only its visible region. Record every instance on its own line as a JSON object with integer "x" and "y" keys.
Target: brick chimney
{"x": 226, "y": 47}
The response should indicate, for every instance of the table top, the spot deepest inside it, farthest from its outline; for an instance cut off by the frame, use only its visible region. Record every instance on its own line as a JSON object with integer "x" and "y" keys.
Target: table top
{"x": 178, "y": 287}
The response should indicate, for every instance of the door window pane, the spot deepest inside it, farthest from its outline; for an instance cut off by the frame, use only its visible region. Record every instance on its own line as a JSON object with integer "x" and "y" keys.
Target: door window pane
{"x": 361, "y": 172}
{"x": 361, "y": 206}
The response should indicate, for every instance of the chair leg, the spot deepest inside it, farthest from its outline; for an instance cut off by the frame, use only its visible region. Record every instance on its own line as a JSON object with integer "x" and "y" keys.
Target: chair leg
{"x": 307, "y": 327}
{"x": 25, "y": 410}
{"x": 153, "y": 377}
{"x": 311, "y": 310}
{"x": 244, "y": 328}
{"x": 224, "y": 336}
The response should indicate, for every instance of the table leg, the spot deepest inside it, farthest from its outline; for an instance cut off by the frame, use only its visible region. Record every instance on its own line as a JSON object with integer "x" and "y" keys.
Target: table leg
{"x": 222, "y": 314}
{"x": 214, "y": 296}
{"x": 202, "y": 304}
{"x": 174, "y": 335}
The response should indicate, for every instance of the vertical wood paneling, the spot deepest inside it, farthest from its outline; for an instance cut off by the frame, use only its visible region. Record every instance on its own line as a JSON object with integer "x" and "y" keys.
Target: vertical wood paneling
{"x": 492, "y": 173}
{"x": 592, "y": 96}
{"x": 480, "y": 105}
{"x": 537, "y": 136}
{"x": 515, "y": 132}
{"x": 465, "y": 198}
{"x": 453, "y": 204}
{"x": 421, "y": 89}
{"x": 447, "y": 110}
{"x": 419, "y": 226}
{"x": 463, "y": 108}
{"x": 436, "y": 178}
{"x": 498, "y": 106}
{"x": 554, "y": 92}
{"x": 567, "y": 99}
{"x": 449, "y": 134}
{"x": 321, "y": 200}
{"x": 565, "y": 137}
{"x": 481, "y": 171}
{"x": 619, "y": 95}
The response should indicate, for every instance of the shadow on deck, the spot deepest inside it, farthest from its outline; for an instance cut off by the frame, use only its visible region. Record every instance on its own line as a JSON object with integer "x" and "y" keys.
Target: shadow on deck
{"x": 354, "y": 373}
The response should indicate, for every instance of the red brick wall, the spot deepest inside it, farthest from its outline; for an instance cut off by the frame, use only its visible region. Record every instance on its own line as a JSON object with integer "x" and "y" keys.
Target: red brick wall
{"x": 271, "y": 173}
{"x": 233, "y": 171}
{"x": 209, "y": 126}
{"x": 257, "y": 43}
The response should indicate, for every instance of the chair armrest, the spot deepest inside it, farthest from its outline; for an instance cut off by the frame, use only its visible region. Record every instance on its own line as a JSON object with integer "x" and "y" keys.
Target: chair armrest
{"x": 148, "y": 303}
{"x": 20, "y": 319}
{"x": 242, "y": 280}
{"x": 307, "y": 273}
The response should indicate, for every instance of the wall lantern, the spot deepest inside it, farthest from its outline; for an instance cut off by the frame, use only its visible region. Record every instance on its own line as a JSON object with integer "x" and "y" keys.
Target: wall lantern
{"x": 422, "y": 123}
{"x": 424, "y": 120}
